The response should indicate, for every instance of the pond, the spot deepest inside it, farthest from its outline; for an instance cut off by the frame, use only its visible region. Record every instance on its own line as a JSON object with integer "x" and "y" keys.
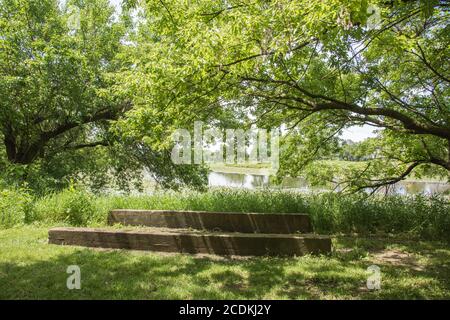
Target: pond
{"x": 256, "y": 181}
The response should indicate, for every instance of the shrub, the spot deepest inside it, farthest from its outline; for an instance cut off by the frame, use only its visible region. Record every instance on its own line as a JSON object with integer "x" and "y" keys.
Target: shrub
{"x": 15, "y": 207}
{"x": 425, "y": 217}
{"x": 71, "y": 206}
{"x": 331, "y": 213}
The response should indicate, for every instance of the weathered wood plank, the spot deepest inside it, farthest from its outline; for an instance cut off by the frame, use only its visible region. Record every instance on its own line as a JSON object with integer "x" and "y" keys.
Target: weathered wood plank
{"x": 205, "y": 243}
{"x": 215, "y": 221}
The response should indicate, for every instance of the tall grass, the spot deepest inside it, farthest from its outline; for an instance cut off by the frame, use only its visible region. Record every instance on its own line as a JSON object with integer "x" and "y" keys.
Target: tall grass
{"x": 15, "y": 207}
{"x": 331, "y": 213}
{"x": 426, "y": 217}
{"x": 71, "y": 206}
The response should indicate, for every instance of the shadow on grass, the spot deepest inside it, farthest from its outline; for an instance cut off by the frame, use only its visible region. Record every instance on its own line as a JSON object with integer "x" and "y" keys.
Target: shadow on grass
{"x": 120, "y": 274}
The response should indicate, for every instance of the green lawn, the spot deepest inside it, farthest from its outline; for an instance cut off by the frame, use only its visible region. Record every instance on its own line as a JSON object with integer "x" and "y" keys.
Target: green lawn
{"x": 32, "y": 269}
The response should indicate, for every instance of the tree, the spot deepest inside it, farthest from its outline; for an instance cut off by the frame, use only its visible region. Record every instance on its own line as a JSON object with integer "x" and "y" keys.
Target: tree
{"x": 317, "y": 67}
{"x": 54, "y": 80}
{"x": 59, "y": 96}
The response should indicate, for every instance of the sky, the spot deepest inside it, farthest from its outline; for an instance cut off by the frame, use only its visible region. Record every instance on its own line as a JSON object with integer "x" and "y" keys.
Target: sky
{"x": 358, "y": 133}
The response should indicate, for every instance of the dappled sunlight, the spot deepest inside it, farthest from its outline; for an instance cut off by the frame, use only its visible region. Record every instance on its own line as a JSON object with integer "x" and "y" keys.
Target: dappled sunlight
{"x": 31, "y": 268}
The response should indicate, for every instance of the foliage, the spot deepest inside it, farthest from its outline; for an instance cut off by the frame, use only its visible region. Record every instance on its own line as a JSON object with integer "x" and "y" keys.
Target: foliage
{"x": 15, "y": 207}
{"x": 315, "y": 67}
{"x": 59, "y": 96}
{"x": 74, "y": 99}
{"x": 71, "y": 206}
{"x": 416, "y": 215}
{"x": 55, "y": 88}
{"x": 331, "y": 213}
{"x": 356, "y": 151}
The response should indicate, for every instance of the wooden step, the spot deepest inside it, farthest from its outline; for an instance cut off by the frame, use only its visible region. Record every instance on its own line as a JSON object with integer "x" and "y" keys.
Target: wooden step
{"x": 219, "y": 243}
{"x": 215, "y": 221}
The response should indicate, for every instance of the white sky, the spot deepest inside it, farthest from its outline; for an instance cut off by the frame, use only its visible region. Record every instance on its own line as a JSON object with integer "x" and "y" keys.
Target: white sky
{"x": 359, "y": 133}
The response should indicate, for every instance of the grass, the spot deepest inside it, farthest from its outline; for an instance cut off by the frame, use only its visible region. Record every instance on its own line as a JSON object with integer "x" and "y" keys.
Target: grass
{"x": 32, "y": 269}
{"x": 390, "y": 233}
{"x": 414, "y": 216}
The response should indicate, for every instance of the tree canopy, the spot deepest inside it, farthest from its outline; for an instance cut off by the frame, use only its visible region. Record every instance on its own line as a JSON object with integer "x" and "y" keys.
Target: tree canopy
{"x": 316, "y": 67}
{"x": 59, "y": 96}
{"x": 124, "y": 82}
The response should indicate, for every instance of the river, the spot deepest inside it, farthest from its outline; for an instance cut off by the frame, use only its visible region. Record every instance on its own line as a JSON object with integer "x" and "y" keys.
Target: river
{"x": 257, "y": 181}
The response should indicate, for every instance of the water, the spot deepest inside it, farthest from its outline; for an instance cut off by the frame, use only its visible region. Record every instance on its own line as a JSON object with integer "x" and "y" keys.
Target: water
{"x": 254, "y": 181}
{"x": 238, "y": 180}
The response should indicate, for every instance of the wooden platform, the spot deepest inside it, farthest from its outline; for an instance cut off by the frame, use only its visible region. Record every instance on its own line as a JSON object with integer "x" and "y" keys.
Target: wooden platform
{"x": 194, "y": 242}
{"x": 216, "y": 221}
{"x": 220, "y": 233}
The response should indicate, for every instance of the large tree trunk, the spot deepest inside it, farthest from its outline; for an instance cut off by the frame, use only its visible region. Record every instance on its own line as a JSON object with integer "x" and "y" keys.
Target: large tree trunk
{"x": 25, "y": 154}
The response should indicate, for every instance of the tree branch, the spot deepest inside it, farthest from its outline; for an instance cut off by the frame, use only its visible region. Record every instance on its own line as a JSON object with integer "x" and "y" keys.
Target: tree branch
{"x": 390, "y": 181}
{"x": 329, "y": 103}
{"x": 422, "y": 58}
{"x": 88, "y": 145}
